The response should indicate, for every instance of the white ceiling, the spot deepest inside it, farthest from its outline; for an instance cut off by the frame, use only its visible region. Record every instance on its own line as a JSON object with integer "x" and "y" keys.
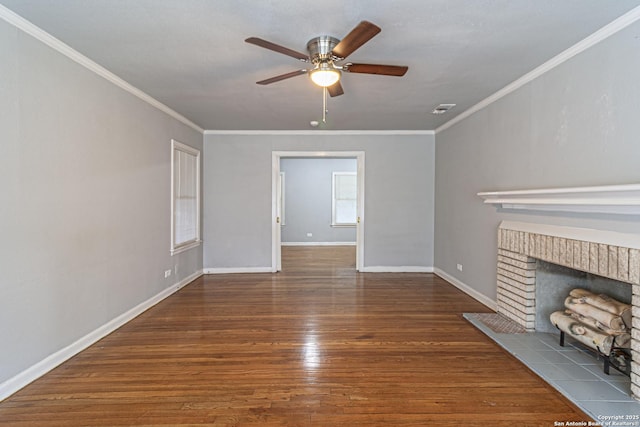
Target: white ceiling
{"x": 191, "y": 54}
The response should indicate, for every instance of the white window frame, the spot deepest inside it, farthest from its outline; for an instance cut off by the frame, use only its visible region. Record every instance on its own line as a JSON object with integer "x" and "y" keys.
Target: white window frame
{"x": 334, "y": 223}
{"x": 177, "y": 247}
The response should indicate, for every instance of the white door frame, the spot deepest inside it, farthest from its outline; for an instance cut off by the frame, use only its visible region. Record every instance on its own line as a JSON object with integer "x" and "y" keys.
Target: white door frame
{"x": 276, "y": 262}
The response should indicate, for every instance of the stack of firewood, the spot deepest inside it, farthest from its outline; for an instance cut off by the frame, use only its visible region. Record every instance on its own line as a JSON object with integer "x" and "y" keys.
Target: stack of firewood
{"x": 598, "y": 321}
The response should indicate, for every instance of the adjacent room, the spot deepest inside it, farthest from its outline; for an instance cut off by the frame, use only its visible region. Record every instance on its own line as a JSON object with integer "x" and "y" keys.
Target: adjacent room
{"x": 340, "y": 213}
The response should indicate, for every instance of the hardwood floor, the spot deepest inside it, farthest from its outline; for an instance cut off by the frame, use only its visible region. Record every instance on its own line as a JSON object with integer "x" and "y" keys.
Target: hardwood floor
{"x": 314, "y": 345}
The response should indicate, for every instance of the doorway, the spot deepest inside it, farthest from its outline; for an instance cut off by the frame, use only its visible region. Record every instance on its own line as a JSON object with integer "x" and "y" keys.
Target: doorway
{"x": 276, "y": 188}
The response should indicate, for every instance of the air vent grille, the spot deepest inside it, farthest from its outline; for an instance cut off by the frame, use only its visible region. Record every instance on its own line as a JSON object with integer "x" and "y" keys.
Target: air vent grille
{"x": 443, "y": 108}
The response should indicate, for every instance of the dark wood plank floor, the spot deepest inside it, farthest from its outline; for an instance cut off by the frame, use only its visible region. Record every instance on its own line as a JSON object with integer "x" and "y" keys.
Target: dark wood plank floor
{"x": 314, "y": 345}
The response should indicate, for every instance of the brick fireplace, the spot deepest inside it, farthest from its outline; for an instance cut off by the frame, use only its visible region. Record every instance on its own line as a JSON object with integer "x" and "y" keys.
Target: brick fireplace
{"x": 608, "y": 254}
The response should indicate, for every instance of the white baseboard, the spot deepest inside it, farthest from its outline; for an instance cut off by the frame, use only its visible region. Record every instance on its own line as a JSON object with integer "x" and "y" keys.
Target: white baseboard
{"x": 396, "y": 269}
{"x": 318, "y": 243}
{"x": 31, "y": 374}
{"x": 481, "y": 298}
{"x": 233, "y": 270}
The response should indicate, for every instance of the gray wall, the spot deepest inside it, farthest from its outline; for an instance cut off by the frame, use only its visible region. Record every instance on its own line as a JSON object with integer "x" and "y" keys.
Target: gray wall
{"x": 84, "y": 217}
{"x": 399, "y": 173}
{"x": 576, "y": 125}
{"x": 308, "y": 197}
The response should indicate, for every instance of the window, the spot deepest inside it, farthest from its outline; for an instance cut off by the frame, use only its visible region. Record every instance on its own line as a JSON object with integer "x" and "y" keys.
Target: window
{"x": 185, "y": 197}
{"x": 345, "y": 199}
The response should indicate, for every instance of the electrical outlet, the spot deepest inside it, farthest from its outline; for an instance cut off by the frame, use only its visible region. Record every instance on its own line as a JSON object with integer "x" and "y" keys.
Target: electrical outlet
{"x": 309, "y": 234}
{"x": 167, "y": 273}
{"x": 459, "y": 267}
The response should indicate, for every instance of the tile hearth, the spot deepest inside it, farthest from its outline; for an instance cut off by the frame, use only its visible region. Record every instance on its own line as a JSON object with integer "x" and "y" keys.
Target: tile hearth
{"x": 604, "y": 253}
{"x": 573, "y": 370}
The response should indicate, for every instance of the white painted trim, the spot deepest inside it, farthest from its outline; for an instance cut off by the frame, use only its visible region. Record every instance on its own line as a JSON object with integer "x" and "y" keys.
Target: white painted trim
{"x": 612, "y": 238}
{"x": 318, "y": 243}
{"x": 481, "y": 298}
{"x": 397, "y": 269}
{"x": 608, "y": 30}
{"x": 318, "y": 132}
{"x": 612, "y": 199}
{"x": 184, "y": 246}
{"x": 276, "y": 258}
{"x": 313, "y": 154}
{"x": 361, "y": 212}
{"x": 281, "y": 194}
{"x": 276, "y": 229}
{"x": 12, "y": 385}
{"x": 234, "y": 270}
{"x": 66, "y": 50}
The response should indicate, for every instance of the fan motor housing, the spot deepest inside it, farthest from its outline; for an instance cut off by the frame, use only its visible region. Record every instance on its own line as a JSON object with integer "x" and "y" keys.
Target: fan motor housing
{"x": 320, "y": 48}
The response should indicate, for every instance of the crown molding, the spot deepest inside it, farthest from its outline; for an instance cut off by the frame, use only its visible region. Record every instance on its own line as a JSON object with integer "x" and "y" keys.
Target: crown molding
{"x": 608, "y": 30}
{"x": 319, "y": 132}
{"x": 66, "y": 50}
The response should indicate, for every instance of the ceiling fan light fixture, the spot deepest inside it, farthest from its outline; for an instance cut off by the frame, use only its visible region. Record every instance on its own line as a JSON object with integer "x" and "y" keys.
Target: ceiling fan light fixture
{"x": 326, "y": 53}
{"x": 324, "y": 75}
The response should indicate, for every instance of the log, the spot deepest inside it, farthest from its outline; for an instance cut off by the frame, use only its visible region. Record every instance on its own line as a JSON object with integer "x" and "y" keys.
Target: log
{"x": 604, "y": 302}
{"x": 595, "y": 324}
{"x": 609, "y": 320}
{"x": 620, "y": 339}
{"x": 592, "y": 338}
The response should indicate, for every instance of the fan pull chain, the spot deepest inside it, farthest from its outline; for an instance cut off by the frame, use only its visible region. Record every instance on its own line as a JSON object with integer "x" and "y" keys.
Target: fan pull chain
{"x": 324, "y": 105}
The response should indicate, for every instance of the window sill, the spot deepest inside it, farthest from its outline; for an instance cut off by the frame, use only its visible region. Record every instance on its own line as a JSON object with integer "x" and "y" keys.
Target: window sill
{"x": 343, "y": 225}
{"x": 185, "y": 247}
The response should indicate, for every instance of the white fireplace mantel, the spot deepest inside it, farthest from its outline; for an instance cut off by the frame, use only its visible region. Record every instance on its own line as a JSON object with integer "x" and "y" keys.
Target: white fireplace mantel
{"x": 612, "y": 199}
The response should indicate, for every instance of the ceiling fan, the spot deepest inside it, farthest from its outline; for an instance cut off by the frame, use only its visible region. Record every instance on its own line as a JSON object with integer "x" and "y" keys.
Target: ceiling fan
{"x": 325, "y": 52}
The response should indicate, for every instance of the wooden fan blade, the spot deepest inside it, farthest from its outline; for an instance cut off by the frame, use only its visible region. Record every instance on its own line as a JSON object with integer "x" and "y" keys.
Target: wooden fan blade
{"x": 277, "y": 48}
{"x": 335, "y": 89}
{"x": 385, "y": 70}
{"x": 282, "y": 77}
{"x": 361, "y": 34}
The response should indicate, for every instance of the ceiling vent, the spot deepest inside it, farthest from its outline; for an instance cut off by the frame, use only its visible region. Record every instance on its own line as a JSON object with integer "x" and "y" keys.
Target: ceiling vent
{"x": 443, "y": 108}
